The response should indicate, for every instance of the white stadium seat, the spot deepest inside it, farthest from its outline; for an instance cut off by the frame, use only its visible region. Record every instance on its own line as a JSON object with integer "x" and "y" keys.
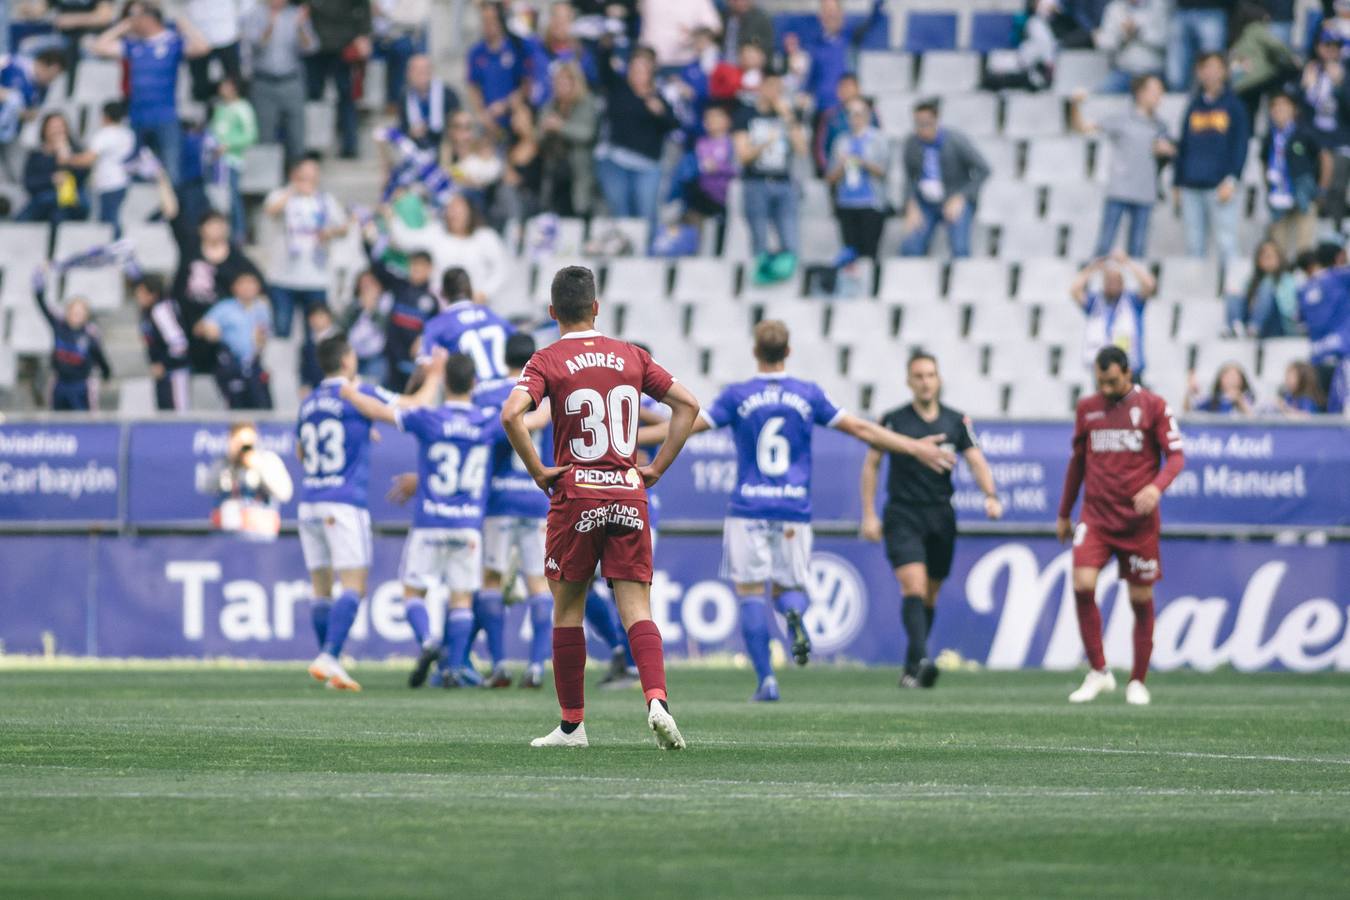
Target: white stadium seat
{"x": 948, "y": 72}
{"x": 1003, "y": 201}
{"x": 917, "y": 278}
{"x": 1185, "y": 277}
{"x": 992, "y": 323}
{"x": 1044, "y": 278}
{"x": 632, "y": 278}
{"x": 703, "y": 276}
{"x": 1053, "y": 160}
{"x": 103, "y": 287}
{"x": 886, "y": 71}
{"x": 978, "y": 280}
{"x": 975, "y": 115}
{"x": 1033, "y": 115}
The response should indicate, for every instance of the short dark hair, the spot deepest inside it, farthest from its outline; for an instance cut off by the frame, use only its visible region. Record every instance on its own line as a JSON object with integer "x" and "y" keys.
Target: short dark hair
{"x": 319, "y": 308}
{"x": 419, "y": 256}
{"x": 929, "y": 105}
{"x": 1112, "y": 356}
{"x": 771, "y": 341}
{"x": 331, "y": 352}
{"x": 152, "y": 282}
{"x": 212, "y": 215}
{"x": 1328, "y": 254}
{"x": 460, "y": 374}
{"x": 519, "y": 348}
{"x": 51, "y": 57}
{"x": 919, "y": 356}
{"x": 1206, "y": 57}
{"x": 456, "y": 284}
{"x": 115, "y": 110}
{"x": 1137, "y": 82}
{"x": 573, "y": 294}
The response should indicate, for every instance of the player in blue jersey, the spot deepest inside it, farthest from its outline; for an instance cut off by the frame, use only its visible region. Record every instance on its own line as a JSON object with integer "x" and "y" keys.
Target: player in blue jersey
{"x": 333, "y": 443}
{"x": 767, "y": 537}
{"x": 468, "y": 327}
{"x": 455, "y": 444}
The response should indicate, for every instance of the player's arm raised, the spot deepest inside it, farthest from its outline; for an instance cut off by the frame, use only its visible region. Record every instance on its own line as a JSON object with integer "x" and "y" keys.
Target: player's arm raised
{"x": 514, "y": 412}
{"x": 984, "y": 479}
{"x": 373, "y": 409}
{"x": 926, "y": 450}
{"x": 867, "y": 494}
{"x": 684, "y": 420}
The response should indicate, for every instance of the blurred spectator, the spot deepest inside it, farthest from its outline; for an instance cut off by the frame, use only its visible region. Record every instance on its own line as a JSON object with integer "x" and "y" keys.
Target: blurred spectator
{"x": 234, "y": 128}
{"x": 1197, "y": 27}
{"x": 218, "y": 23}
{"x": 343, "y": 28}
{"x": 76, "y": 350}
{"x": 1230, "y": 395}
{"x": 768, "y": 138}
{"x": 858, "y": 173}
{"x": 426, "y": 104}
{"x": 23, "y": 88}
{"x": 1137, "y": 141}
{"x": 365, "y": 321}
{"x": 279, "y": 35}
{"x": 249, "y": 485}
{"x": 1033, "y": 66}
{"x": 1074, "y": 21}
{"x": 751, "y": 60}
{"x": 1300, "y": 394}
{"x": 208, "y": 263}
{"x": 745, "y": 23}
{"x": 152, "y": 53}
{"x": 636, "y": 122}
{"x": 166, "y": 343}
{"x": 831, "y": 50}
{"x": 53, "y": 177}
{"x": 1210, "y": 157}
{"x": 567, "y": 143}
{"x": 401, "y": 33}
{"x": 319, "y": 327}
{"x": 517, "y": 198}
{"x": 311, "y": 218}
{"x": 412, "y": 303}
{"x": 1282, "y": 20}
{"x": 464, "y": 241}
{"x": 1297, "y": 172}
{"x": 943, "y": 176}
{"x": 74, "y": 20}
{"x": 473, "y": 160}
{"x": 834, "y": 122}
{"x": 1258, "y": 59}
{"x": 499, "y": 65}
{"x": 239, "y": 326}
{"x": 1336, "y": 18}
{"x": 1326, "y": 107}
{"x": 705, "y": 195}
{"x": 1268, "y": 307}
{"x": 110, "y": 150}
{"x": 561, "y": 44}
{"x": 1324, "y": 309}
{"x": 1115, "y": 315}
{"x": 1134, "y": 33}
{"x": 668, "y": 28}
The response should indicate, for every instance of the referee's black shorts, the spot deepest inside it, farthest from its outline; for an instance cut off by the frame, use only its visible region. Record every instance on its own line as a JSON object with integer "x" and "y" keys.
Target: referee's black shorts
{"x": 921, "y": 534}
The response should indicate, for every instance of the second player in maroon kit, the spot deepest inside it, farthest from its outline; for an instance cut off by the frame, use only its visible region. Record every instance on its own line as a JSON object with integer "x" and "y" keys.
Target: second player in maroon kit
{"x": 598, "y": 512}
{"x": 1127, "y": 449}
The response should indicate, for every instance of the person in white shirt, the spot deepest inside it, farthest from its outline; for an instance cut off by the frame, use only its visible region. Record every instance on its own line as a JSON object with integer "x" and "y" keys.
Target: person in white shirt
{"x": 463, "y": 241}
{"x": 111, "y": 149}
{"x": 218, "y": 21}
{"x": 311, "y": 219}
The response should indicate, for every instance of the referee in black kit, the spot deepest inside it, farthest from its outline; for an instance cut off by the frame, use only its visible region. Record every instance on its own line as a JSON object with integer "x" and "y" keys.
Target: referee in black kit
{"x": 919, "y": 522}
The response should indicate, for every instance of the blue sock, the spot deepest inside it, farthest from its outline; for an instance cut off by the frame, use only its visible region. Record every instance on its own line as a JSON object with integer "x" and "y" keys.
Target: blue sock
{"x": 541, "y": 623}
{"x": 793, "y": 601}
{"x": 600, "y": 616}
{"x": 318, "y": 614}
{"x": 340, "y": 621}
{"x": 458, "y": 630}
{"x": 415, "y": 609}
{"x": 490, "y": 612}
{"x": 755, "y": 633}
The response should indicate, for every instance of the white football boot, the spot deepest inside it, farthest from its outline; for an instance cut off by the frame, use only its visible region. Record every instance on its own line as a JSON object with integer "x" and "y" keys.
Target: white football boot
{"x": 559, "y": 738}
{"x": 1095, "y": 683}
{"x": 1136, "y": 694}
{"x": 324, "y": 667}
{"x": 662, "y": 724}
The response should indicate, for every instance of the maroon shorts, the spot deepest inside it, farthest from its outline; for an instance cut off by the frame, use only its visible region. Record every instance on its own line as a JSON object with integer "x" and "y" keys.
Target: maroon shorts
{"x": 584, "y": 531}
{"x": 1136, "y": 552}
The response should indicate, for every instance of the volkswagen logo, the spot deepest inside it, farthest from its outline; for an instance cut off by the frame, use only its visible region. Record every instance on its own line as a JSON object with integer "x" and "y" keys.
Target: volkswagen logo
{"x": 838, "y": 603}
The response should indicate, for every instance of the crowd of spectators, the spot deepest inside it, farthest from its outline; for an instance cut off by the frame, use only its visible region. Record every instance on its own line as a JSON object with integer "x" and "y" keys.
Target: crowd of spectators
{"x": 652, "y": 110}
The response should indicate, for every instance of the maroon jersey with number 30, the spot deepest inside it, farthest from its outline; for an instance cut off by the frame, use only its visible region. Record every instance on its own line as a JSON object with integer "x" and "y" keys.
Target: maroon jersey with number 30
{"x": 1119, "y": 448}
{"x": 595, "y": 386}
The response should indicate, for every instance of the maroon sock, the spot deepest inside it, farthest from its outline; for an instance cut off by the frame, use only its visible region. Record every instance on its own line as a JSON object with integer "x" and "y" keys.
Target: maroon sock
{"x": 649, "y": 653}
{"x": 1143, "y": 639}
{"x": 569, "y": 671}
{"x": 1090, "y": 627}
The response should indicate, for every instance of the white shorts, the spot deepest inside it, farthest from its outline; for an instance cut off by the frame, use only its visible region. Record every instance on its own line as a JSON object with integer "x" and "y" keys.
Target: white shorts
{"x": 334, "y": 536}
{"x": 759, "y": 550}
{"x": 502, "y": 534}
{"x": 452, "y": 556}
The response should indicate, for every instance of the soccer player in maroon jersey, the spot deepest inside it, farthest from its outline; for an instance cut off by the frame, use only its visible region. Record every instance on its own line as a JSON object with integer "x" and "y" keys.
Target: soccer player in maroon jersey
{"x": 598, "y": 511}
{"x": 1120, "y": 434}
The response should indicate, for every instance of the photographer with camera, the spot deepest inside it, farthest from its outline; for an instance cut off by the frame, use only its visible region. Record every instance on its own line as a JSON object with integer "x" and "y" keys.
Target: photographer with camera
{"x": 250, "y": 485}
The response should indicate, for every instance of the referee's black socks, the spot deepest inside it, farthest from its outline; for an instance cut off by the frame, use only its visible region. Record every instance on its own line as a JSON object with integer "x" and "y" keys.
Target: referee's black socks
{"x": 915, "y": 620}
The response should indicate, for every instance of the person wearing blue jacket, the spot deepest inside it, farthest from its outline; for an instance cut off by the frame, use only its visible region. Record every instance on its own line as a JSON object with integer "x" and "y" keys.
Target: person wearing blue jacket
{"x": 1210, "y": 157}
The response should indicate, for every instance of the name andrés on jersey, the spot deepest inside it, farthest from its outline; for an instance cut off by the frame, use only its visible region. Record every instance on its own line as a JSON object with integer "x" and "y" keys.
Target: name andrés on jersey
{"x": 1117, "y": 440}
{"x": 593, "y": 360}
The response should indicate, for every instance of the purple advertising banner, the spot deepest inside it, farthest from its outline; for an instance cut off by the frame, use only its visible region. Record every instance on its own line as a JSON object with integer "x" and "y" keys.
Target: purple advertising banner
{"x": 60, "y": 473}
{"x": 1007, "y": 605}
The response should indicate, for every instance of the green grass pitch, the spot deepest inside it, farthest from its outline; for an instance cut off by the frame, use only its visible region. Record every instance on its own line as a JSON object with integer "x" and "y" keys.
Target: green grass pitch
{"x": 212, "y": 781}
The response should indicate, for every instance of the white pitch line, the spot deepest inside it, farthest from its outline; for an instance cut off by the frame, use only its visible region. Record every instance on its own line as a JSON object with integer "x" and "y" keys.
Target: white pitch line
{"x": 1182, "y": 754}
